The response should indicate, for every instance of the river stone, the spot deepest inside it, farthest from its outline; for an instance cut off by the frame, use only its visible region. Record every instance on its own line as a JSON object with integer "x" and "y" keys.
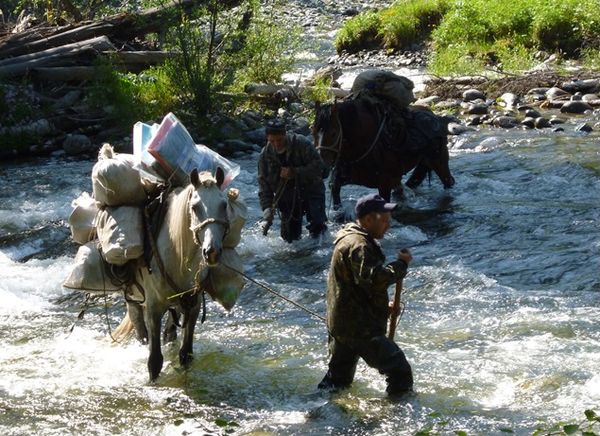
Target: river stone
{"x": 427, "y": 101}
{"x": 474, "y": 121}
{"x": 583, "y": 127}
{"x": 541, "y": 123}
{"x": 505, "y": 122}
{"x": 557, "y": 120}
{"x": 75, "y": 144}
{"x": 541, "y": 91}
{"x": 587, "y": 85}
{"x": 301, "y": 126}
{"x": 590, "y": 97}
{"x": 555, "y": 93}
{"x": 528, "y": 122}
{"x": 68, "y": 99}
{"x": 473, "y": 94}
{"x": 447, "y": 104}
{"x": 558, "y": 129}
{"x": 575, "y": 107}
{"x": 509, "y": 99}
{"x": 523, "y": 107}
{"x": 476, "y": 109}
{"x": 532, "y": 113}
{"x": 256, "y": 136}
{"x": 457, "y": 129}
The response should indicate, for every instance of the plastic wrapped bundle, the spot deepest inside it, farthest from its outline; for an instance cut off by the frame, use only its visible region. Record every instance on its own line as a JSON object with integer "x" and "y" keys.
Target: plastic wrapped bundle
{"x": 121, "y": 234}
{"x": 115, "y": 180}
{"x": 386, "y": 85}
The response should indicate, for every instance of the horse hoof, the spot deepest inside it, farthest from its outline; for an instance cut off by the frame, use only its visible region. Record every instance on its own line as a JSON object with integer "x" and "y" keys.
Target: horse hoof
{"x": 340, "y": 216}
{"x": 185, "y": 358}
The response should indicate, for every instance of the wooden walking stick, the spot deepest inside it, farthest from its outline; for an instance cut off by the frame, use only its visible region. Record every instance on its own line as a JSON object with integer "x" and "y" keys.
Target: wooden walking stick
{"x": 395, "y": 310}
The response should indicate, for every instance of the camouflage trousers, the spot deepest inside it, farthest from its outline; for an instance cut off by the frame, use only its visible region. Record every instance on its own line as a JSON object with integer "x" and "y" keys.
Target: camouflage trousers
{"x": 378, "y": 352}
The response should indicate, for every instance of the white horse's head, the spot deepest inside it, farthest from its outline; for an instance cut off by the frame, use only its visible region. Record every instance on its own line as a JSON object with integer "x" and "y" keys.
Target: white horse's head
{"x": 208, "y": 209}
{"x": 200, "y": 209}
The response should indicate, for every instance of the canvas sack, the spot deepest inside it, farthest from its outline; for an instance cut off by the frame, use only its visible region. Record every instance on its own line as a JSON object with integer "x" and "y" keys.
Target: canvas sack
{"x": 237, "y": 213}
{"x": 121, "y": 234}
{"x": 90, "y": 272}
{"x": 83, "y": 218}
{"x": 224, "y": 285}
{"x": 115, "y": 180}
{"x": 385, "y": 84}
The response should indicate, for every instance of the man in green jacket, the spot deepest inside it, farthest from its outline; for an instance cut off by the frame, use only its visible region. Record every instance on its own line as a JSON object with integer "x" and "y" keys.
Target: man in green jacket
{"x": 290, "y": 179}
{"x": 358, "y": 304}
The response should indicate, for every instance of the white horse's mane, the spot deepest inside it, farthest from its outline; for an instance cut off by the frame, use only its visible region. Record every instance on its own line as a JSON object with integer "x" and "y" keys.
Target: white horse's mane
{"x": 179, "y": 222}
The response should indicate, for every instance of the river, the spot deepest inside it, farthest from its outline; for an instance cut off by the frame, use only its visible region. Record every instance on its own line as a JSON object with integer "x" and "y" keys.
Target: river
{"x": 501, "y": 324}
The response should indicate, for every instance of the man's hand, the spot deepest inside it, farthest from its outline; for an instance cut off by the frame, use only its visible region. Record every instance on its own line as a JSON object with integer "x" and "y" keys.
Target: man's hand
{"x": 268, "y": 215}
{"x": 405, "y": 255}
{"x": 392, "y": 312}
{"x": 287, "y": 173}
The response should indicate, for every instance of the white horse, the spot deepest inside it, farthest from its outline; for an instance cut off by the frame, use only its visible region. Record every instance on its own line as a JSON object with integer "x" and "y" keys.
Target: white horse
{"x": 189, "y": 241}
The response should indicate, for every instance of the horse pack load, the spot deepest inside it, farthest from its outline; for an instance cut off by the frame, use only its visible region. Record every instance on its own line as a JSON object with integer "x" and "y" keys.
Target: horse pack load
{"x": 119, "y": 231}
{"x": 385, "y": 85}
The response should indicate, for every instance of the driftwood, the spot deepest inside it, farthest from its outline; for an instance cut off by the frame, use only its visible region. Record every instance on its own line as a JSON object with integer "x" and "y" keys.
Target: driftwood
{"x": 282, "y": 91}
{"x": 21, "y": 64}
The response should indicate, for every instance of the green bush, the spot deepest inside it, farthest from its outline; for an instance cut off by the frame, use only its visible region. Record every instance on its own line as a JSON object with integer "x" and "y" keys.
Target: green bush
{"x": 361, "y": 31}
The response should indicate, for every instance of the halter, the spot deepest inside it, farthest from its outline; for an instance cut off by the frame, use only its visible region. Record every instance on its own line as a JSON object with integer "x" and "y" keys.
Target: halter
{"x": 198, "y": 228}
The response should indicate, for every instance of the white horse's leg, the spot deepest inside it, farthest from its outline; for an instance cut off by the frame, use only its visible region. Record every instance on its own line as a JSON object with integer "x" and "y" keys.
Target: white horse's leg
{"x": 136, "y": 315}
{"x": 155, "y": 359}
{"x": 191, "y": 310}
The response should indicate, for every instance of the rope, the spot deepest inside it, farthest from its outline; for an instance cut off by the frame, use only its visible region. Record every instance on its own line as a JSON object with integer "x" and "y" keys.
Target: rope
{"x": 277, "y": 294}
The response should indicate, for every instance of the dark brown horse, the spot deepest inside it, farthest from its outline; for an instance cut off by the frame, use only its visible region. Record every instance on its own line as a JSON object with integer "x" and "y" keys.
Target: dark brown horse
{"x": 355, "y": 139}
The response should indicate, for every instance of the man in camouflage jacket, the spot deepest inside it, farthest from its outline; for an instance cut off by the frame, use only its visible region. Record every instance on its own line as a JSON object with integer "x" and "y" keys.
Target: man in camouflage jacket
{"x": 290, "y": 179}
{"x": 358, "y": 304}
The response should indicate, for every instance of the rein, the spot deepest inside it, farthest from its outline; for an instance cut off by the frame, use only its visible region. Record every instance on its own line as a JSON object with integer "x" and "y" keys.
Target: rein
{"x": 198, "y": 228}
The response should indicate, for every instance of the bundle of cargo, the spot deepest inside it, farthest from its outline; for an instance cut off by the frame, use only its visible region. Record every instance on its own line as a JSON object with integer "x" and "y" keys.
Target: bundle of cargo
{"x": 110, "y": 225}
{"x": 382, "y": 84}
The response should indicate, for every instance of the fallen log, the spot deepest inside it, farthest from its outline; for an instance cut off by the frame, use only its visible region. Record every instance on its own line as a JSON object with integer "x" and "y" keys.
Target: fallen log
{"x": 22, "y": 64}
{"x": 145, "y": 57}
{"x": 289, "y": 91}
{"x": 74, "y": 73}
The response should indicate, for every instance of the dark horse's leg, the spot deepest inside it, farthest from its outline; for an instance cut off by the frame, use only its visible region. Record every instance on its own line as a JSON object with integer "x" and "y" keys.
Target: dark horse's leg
{"x": 335, "y": 185}
{"x": 190, "y": 306}
{"x": 418, "y": 175}
{"x": 385, "y": 192}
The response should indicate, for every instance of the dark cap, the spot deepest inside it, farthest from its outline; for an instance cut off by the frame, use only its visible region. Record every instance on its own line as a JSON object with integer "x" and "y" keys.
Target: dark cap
{"x": 275, "y": 127}
{"x": 372, "y": 203}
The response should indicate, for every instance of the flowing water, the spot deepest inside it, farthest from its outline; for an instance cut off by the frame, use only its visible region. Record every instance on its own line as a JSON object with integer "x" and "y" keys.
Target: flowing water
{"x": 501, "y": 324}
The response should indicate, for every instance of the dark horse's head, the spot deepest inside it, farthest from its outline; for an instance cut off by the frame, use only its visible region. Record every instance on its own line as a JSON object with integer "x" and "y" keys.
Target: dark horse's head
{"x": 327, "y": 132}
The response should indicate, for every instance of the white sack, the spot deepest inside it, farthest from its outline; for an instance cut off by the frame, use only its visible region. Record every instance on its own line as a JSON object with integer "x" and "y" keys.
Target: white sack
{"x": 115, "y": 181}
{"x": 83, "y": 218}
{"x": 121, "y": 234}
{"x": 90, "y": 272}
{"x": 237, "y": 213}
{"x": 224, "y": 285}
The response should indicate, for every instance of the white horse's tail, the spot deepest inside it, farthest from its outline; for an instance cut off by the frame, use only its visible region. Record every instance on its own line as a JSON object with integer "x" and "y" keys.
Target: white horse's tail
{"x": 124, "y": 330}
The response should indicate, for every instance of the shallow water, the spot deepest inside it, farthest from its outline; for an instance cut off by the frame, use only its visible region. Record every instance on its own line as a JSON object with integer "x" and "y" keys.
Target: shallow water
{"x": 501, "y": 324}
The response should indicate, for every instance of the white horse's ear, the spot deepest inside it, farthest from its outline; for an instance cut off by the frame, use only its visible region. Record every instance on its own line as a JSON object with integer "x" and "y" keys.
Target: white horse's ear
{"x": 194, "y": 178}
{"x": 220, "y": 176}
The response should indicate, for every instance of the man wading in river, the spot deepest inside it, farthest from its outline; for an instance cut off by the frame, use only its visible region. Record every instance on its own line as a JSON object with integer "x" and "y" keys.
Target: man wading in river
{"x": 357, "y": 301}
{"x": 290, "y": 179}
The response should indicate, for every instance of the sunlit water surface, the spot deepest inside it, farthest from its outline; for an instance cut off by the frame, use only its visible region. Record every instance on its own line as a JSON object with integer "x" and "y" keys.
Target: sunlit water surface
{"x": 501, "y": 325}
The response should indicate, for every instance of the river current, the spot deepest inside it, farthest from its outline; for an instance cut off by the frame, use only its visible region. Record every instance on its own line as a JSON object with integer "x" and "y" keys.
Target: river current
{"x": 501, "y": 323}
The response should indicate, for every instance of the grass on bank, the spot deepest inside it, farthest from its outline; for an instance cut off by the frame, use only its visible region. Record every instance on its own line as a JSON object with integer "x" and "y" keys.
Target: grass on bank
{"x": 467, "y": 36}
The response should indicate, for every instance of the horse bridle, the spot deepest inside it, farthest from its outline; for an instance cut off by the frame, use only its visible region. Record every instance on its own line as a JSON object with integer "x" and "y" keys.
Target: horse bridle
{"x": 340, "y": 140}
{"x": 198, "y": 228}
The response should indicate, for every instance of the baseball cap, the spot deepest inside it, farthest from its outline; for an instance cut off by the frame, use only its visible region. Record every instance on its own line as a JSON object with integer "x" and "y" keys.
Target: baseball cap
{"x": 275, "y": 126}
{"x": 372, "y": 203}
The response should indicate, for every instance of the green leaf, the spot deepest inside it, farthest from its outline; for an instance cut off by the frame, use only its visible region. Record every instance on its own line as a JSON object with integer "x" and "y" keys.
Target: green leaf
{"x": 506, "y": 430}
{"x": 590, "y": 415}
{"x": 434, "y": 414}
{"x": 221, "y": 422}
{"x": 460, "y": 433}
{"x": 588, "y": 433}
{"x": 571, "y": 428}
{"x": 178, "y": 422}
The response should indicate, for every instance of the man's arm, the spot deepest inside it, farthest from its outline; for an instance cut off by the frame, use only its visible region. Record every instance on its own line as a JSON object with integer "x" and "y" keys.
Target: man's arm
{"x": 265, "y": 193}
{"x": 368, "y": 271}
{"x": 313, "y": 166}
